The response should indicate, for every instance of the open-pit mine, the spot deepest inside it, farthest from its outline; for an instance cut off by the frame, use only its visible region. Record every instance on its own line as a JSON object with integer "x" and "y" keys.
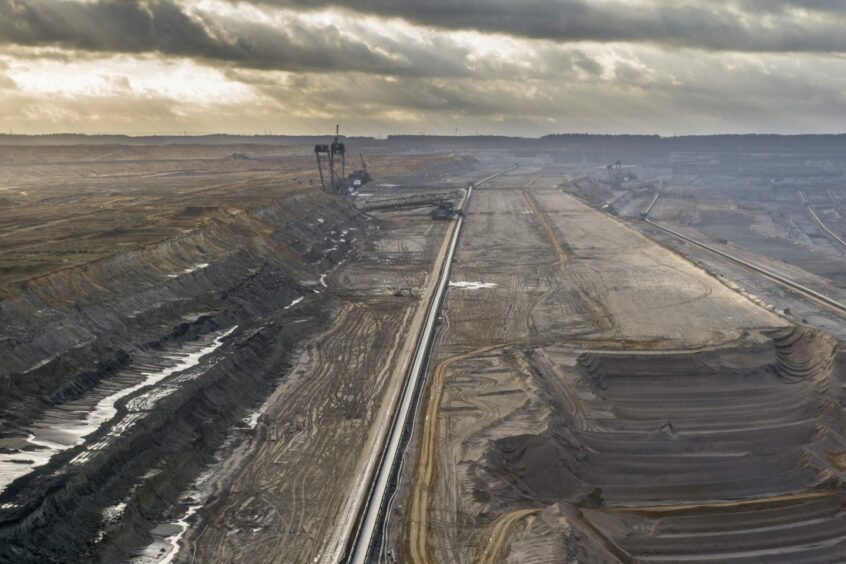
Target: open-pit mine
{"x": 423, "y": 349}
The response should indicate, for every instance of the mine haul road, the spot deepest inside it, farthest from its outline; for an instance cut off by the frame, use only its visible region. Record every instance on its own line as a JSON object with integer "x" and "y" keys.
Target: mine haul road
{"x": 784, "y": 281}
{"x": 831, "y": 234}
{"x": 828, "y": 302}
{"x": 383, "y": 461}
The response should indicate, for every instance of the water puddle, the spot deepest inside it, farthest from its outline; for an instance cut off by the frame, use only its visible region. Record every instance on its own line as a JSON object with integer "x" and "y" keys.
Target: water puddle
{"x": 165, "y": 547}
{"x": 472, "y": 285}
{"x": 295, "y": 302}
{"x": 190, "y": 269}
{"x": 67, "y": 425}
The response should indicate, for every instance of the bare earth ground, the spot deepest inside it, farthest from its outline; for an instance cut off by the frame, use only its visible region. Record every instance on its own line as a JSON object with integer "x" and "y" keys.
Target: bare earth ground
{"x": 221, "y": 280}
{"x": 293, "y": 496}
{"x": 594, "y": 395}
{"x": 69, "y": 205}
{"x": 614, "y": 402}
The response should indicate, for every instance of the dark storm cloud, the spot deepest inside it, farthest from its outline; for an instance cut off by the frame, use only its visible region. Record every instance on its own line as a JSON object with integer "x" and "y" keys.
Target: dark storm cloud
{"x": 163, "y": 26}
{"x": 774, "y": 6}
{"x": 105, "y": 26}
{"x": 742, "y": 96}
{"x": 713, "y": 25}
{"x": 527, "y": 66}
{"x": 168, "y": 27}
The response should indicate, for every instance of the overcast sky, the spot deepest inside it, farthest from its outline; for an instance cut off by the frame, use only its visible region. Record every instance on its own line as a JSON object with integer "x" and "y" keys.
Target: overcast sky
{"x": 518, "y": 67}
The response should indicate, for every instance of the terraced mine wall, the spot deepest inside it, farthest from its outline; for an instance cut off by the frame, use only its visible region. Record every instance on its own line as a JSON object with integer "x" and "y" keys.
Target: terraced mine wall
{"x": 741, "y": 464}
{"x": 210, "y": 313}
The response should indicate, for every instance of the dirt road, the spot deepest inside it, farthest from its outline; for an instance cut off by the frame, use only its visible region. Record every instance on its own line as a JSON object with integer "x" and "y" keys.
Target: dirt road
{"x": 494, "y": 542}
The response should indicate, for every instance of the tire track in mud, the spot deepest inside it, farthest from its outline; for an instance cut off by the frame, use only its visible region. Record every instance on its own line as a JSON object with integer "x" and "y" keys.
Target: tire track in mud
{"x": 322, "y": 424}
{"x": 417, "y": 542}
{"x": 273, "y": 489}
{"x": 596, "y": 311}
{"x": 495, "y": 540}
{"x": 418, "y": 521}
{"x": 486, "y": 411}
{"x": 544, "y": 221}
{"x": 424, "y": 476}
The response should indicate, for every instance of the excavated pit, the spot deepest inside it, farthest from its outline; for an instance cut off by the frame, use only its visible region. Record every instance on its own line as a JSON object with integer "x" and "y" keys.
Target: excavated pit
{"x": 211, "y": 318}
{"x": 726, "y": 455}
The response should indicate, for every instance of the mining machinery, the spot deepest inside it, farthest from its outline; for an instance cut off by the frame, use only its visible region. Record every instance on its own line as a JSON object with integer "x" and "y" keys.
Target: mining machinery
{"x": 361, "y": 177}
{"x": 334, "y": 155}
{"x": 617, "y": 175}
{"x": 411, "y": 201}
{"x": 444, "y": 211}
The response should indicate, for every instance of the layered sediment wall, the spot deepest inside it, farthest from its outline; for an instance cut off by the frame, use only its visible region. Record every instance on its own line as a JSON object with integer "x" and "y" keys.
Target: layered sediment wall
{"x": 210, "y": 317}
{"x": 730, "y": 454}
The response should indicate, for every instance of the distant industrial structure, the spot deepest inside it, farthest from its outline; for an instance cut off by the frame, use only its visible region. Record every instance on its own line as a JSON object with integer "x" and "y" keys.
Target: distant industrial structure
{"x": 413, "y": 201}
{"x": 444, "y": 211}
{"x": 333, "y": 158}
{"x": 331, "y": 165}
{"x": 360, "y": 177}
{"x": 617, "y": 175}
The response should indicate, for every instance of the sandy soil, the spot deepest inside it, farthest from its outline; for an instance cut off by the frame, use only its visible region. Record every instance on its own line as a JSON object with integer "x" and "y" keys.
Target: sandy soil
{"x": 529, "y": 433}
